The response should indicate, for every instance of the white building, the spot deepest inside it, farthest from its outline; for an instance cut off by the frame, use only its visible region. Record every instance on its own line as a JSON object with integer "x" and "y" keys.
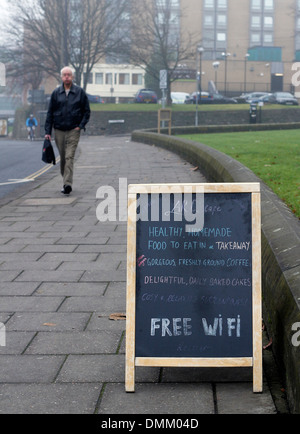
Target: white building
{"x": 117, "y": 83}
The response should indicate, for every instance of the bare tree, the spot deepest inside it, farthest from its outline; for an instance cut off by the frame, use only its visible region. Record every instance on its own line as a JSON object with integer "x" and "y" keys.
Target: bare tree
{"x": 97, "y": 31}
{"x": 157, "y": 42}
{"x": 49, "y": 34}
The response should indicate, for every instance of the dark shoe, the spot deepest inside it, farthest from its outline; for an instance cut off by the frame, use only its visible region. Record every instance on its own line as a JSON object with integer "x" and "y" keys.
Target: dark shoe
{"x": 67, "y": 189}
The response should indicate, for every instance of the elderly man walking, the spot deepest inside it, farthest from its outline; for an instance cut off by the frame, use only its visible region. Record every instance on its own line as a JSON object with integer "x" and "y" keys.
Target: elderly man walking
{"x": 68, "y": 113}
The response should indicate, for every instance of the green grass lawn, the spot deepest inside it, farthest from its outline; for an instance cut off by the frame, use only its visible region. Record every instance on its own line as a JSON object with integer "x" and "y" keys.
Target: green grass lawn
{"x": 274, "y": 156}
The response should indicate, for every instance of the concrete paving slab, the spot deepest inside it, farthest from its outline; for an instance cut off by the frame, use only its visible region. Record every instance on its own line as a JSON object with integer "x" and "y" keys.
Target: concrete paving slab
{"x": 49, "y": 398}
{"x": 68, "y": 289}
{"x": 29, "y": 369}
{"x": 108, "y": 368}
{"x": 100, "y": 322}
{"x": 104, "y": 276}
{"x": 49, "y": 276}
{"x": 239, "y": 399}
{"x": 17, "y": 288}
{"x": 75, "y": 342}
{"x": 30, "y": 304}
{"x": 93, "y": 304}
{"x": 48, "y": 321}
{"x": 157, "y": 399}
{"x": 30, "y": 265}
{"x": 16, "y": 342}
{"x": 48, "y": 201}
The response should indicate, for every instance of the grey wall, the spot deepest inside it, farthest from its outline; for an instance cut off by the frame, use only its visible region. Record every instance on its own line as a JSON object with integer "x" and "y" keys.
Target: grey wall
{"x": 99, "y": 123}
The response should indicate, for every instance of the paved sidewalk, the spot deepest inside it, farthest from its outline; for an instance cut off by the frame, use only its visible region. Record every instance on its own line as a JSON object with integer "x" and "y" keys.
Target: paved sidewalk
{"x": 63, "y": 273}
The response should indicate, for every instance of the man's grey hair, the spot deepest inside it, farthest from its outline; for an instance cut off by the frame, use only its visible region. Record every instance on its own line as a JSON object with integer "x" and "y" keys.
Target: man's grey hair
{"x": 64, "y": 68}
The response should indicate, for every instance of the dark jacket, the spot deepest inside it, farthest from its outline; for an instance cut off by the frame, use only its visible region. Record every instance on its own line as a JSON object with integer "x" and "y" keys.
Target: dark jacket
{"x": 67, "y": 112}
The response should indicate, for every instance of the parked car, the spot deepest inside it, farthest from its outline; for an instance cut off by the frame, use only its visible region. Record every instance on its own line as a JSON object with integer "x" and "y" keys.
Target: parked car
{"x": 179, "y": 97}
{"x": 266, "y": 99}
{"x": 217, "y": 98}
{"x": 285, "y": 98}
{"x": 249, "y": 97}
{"x": 204, "y": 98}
{"x": 208, "y": 98}
{"x": 146, "y": 96}
{"x": 95, "y": 99}
{"x": 257, "y": 97}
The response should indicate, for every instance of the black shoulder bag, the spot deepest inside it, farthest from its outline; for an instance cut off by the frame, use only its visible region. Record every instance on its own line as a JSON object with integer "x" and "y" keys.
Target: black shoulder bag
{"x": 48, "y": 155}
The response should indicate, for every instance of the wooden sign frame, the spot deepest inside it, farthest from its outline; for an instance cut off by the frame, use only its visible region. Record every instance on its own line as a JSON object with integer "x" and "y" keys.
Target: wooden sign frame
{"x": 256, "y": 360}
{"x": 165, "y": 115}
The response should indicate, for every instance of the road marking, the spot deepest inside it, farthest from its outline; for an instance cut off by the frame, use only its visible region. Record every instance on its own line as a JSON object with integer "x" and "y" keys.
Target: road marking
{"x": 31, "y": 177}
{"x": 16, "y": 181}
{"x": 41, "y": 171}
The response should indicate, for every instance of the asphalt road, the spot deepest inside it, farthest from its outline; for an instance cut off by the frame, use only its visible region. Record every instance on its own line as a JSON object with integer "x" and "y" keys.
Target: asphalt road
{"x": 20, "y": 163}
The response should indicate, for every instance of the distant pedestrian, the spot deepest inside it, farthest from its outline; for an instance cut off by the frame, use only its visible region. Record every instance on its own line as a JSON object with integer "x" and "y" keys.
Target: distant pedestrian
{"x": 68, "y": 114}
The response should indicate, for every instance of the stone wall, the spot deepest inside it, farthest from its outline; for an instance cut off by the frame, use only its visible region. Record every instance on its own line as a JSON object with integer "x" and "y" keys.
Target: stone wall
{"x": 280, "y": 252}
{"x": 130, "y": 121}
{"x": 117, "y": 122}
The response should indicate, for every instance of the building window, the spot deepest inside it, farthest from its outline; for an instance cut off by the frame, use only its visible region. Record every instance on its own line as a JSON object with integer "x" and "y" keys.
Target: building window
{"x": 215, "y": 24}
{"x": 222, "y": 4}
{"x": 163, "y": 3}
{"x": 221, "y": 37}
{"x": 137, "y": 79}
{"x": 174, "y": 19}
{"x": 208, "y": 20}
{"x": 255, "y": 39}
{"x": 298, "y": 41}
{"x": 268, "y": 22}
{"x": 99, "y": 78}
{"x": 221, "y": 20}
{"x": 268, "y": 38}
{"x": 209, "y": 41}
{"x": 167, "y": 15}
{"x": 269, "y": 5}
{"x": 209, "y": 4}
{"x": 120, "y": 31}
{"x": 108, "y": 78}
{"x": 256, "y": 4}
{"x": 255, "y": 21}
{"x": 124, "y": 78}
{"x": 261, "y": 22}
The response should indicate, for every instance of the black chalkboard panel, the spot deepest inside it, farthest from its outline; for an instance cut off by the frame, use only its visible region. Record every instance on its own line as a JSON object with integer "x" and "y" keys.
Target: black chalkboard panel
{"x": 194, "y": 289}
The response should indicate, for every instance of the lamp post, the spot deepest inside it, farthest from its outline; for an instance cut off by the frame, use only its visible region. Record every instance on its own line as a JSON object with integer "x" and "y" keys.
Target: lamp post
{"x": 216, "y": 67}
{"x": 245, "y": 72}
{"x": 225, "y": 55}
{"x": 200, "y": 51}
{"x": 269, "y": 87}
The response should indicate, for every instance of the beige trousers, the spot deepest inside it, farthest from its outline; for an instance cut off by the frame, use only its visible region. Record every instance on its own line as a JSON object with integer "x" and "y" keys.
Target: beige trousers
{"x": 67, "y": 142}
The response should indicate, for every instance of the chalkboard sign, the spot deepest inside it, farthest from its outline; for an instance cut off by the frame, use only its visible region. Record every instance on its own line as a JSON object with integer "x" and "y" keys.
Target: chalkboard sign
{"x": 193, "y": 277}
